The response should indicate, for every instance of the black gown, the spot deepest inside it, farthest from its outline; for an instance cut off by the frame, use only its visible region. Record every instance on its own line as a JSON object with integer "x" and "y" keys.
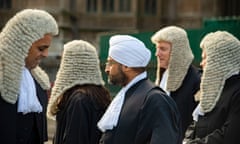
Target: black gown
{"x": 16, "y": 128}
{"x": 184, "y": 96}
{"x": 146, "y": 118}
{"x": 222, "y": 124}
{"x": 77, "y": 121}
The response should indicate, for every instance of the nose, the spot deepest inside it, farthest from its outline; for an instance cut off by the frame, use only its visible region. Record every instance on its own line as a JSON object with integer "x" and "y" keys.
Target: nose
{"x": 202, "y": 64}
{"x": 157, "y": 53}
{"x": 106, "y": 69}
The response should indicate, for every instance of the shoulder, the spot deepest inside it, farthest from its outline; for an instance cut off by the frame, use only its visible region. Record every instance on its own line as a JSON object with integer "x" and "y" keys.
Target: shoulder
{"x": 82, "y": 98}
{"x": 232, "y": 83}
{"x": 194, "y": 72}
{"x": 157, "y": 95}
{"x": 78, "y": 98}
{"x": 193, "y": 77}
{"x": 233, "y": 78}
{"x": 158, "y": 100}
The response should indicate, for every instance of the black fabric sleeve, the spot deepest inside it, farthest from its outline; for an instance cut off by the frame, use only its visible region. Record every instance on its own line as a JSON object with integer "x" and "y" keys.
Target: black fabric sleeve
{"x": 229, "y": 132}
{"x": 157, "y": 121}
{"x": 77, "y": 122}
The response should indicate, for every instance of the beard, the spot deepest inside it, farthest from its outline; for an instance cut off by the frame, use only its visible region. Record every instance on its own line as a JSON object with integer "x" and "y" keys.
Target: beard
{"x": 118, "y": 79}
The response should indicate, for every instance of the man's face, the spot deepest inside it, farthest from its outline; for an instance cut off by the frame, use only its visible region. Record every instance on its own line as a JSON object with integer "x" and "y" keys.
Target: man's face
{"x": 38, "y": 51}
{"x": 115, "y": 74}
{"x": 163, "y": 51}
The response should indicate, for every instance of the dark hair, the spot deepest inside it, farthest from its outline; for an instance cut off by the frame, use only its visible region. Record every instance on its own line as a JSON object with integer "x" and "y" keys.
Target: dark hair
{"x": 97, "y": 93}
{"x": 139, "y": 69}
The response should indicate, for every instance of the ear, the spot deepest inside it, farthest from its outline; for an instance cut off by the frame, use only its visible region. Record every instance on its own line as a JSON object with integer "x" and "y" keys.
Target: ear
{"x": 125, "y": 68}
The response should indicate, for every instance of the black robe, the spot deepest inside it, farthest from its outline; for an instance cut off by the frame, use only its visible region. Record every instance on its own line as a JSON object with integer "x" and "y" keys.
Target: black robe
{"x": 146, "y": 117}
{"x": 222, "y": 124}
{"x": 184, "y": 96}
{"x": 77, "y": 121}
{"x": 16, "y": 128}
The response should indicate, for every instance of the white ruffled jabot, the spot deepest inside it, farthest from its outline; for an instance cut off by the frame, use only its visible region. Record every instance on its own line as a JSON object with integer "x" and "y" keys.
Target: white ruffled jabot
{"x": 28, "y": 101}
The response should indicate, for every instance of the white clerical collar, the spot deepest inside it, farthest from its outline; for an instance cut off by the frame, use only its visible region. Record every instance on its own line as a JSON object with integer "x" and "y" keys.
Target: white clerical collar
{"x": 135, "y": 80}
{"x": 163, "y": 82}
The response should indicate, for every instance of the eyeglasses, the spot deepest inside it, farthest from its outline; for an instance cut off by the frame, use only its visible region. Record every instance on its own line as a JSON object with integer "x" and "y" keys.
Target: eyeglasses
{"x": 110, "y": 63}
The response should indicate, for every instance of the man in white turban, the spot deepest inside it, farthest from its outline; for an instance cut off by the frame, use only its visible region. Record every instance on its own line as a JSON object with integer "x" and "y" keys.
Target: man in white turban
{"x": 140, "y": 113}
{"x": 24, "y": 42}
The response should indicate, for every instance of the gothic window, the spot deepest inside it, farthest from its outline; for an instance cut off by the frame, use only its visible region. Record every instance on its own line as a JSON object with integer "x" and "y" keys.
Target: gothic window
{"x": 150, "y": 7}
{"x": 5, "y": 4}
{"x": 91, "y": 5}
{"x": 124, "y": 5}
{"x": 230, "y": 7}
{"x": 107, "y": 5}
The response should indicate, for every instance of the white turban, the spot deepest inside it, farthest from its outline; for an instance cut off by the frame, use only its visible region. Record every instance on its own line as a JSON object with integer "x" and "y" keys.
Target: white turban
{"x": 129, "y": 51}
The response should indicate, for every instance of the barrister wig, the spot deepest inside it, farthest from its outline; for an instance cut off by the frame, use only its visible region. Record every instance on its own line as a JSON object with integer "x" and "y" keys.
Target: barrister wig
{"x": 222, "y": 61}
{"x": 181, "y": 55}
{"x": 16, "y": 38}
{"x": 80, "y": 65}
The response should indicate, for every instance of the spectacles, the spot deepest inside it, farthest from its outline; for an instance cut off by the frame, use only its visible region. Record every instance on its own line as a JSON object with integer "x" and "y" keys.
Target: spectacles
{"x": 110, "y": 63}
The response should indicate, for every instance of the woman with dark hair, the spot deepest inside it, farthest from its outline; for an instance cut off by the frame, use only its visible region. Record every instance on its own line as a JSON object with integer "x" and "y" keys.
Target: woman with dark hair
{"x": 79, "y": 98}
